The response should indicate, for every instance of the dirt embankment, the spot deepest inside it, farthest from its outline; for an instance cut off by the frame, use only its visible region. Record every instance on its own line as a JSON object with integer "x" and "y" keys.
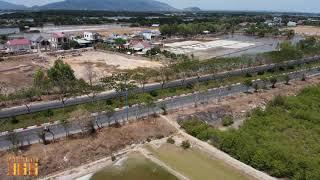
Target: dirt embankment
{"x": 74, "y": 152}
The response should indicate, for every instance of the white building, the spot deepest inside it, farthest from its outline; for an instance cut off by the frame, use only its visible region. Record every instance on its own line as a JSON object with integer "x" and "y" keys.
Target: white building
{"x": 90, "y": 36}
{"x": 292, "y": 24}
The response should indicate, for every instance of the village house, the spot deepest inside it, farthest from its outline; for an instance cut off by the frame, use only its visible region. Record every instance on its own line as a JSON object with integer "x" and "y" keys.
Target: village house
{"x": 18, "y": 45}
{"x": 139, "y": 46}
{"x": 91, "y": 36}
{"x": 58, "y": 39}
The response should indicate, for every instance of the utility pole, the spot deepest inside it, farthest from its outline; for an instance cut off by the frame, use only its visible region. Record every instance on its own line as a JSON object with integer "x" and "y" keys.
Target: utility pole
{"x": 127, "y": 107}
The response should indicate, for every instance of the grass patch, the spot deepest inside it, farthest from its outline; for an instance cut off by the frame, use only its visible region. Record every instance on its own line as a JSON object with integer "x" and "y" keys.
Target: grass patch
{"x": 136, "y": 167}
{"x": 195, "y": 164}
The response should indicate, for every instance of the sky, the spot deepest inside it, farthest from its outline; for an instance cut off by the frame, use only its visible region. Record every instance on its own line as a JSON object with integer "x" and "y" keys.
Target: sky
{"x": 268, "y": 5}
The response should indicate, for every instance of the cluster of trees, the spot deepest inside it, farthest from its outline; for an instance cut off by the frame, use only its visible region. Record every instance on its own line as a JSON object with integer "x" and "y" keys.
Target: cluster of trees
{"x": 281, "y": 140}
{"x": 262, "y": 30}
{"x": 192, "y": 29}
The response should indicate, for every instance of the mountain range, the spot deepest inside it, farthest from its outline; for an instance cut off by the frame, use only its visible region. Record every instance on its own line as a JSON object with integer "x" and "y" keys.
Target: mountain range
{"x": 107, "y": 5}
{"x": 9, "y": 6}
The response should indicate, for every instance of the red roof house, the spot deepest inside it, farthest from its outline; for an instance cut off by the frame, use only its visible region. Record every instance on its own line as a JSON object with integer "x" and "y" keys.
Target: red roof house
{"x": 19, "y": 45}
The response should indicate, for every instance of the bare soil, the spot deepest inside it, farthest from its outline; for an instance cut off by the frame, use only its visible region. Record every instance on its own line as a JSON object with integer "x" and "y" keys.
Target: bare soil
{"x": 73, "y": 152}
{"x": 307, "y": 30}
{"x": 17, "y": 71}
{"x": 103, "y": 63}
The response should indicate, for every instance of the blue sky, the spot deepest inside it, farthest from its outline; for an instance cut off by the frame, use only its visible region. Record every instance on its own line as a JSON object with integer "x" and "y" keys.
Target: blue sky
{"x": 276, "y": 5}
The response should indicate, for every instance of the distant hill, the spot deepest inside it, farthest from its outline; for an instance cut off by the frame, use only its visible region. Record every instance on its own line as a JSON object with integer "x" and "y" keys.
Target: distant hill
{"x": 109, "y": 5}
{"x": 192, "y": 9}
{"x": 9, "y": 6}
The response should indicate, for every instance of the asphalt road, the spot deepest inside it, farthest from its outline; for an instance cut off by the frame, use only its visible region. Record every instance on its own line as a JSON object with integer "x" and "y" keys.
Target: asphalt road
{"x": 31, "y": 136}
{"x": 41, "y": 106}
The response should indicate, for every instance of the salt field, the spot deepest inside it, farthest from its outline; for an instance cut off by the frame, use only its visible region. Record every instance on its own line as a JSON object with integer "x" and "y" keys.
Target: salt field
{"x": 194, "y": 46}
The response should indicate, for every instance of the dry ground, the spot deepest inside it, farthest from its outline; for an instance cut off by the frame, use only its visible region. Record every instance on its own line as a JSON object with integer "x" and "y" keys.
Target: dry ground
{"x": 17, "y": 71}
{"x": 307, "y": 30}
{"x": 70, "y": 153}
{"x": 104, "y": 63}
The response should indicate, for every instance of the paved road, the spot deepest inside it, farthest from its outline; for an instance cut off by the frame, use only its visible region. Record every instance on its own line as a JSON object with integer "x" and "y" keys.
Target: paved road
{"x": 30, "y": 136}
{"x": 36, "y": 107}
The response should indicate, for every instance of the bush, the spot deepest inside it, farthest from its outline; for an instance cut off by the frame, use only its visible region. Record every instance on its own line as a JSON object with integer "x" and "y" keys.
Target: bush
{"x": 261, "y": 73}
{"x": 278, "y": 101}
{"x": 170, "y": 140}
{"x": 248, "y": 75}
{"x": 113, "y": 158}
{"x": 148, "y": 139}
{"x": 48, "y": 113}
{"x": 227, "y": 121}
{"x": 14, "y": 120}
{"x": 154, "y": 93}
{"x": 185, "y": 144}
{"x": 159, "y": 136}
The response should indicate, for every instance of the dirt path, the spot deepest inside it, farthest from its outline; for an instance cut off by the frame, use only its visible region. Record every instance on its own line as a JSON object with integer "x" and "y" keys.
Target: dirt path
{"x": 149, "y": 156}
{"x": 220, "y": 155}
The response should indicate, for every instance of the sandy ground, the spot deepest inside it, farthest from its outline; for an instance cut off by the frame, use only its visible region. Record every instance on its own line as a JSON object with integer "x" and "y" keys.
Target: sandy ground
{"x": 104, "y": 29}
{"x": 103, "y": 63}
{"x": 17, "y": 72}
{"x": 307, "y": 30}
{"x": 75, "y": 152}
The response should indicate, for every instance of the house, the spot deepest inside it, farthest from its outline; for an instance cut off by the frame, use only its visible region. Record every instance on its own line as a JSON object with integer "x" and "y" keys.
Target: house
{"x": 292, "y": 24}
{"x": 19, "y": 45}
{"x": 139, "y": 45}
{"x": 57, "y": 39}
{"x": 40, "y": 42}
{"x": 91, "y": 36}
{"x": 150, "y": 34}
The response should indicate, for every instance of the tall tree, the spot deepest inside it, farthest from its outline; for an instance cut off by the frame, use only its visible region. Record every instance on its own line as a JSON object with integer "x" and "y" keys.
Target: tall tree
{"x": 62, "y": 77}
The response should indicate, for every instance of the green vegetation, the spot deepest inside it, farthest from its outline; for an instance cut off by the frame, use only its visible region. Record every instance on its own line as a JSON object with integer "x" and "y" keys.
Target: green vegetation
{"x": 195, "y": 164}
{"x": 170, "y": 140}
{"x": 282, "y": 140}
{"x": 192, "y": 29}
{"x": 185, "y": 144}
{"x": 136, "y": 167}
{"x": 227, "y": 121}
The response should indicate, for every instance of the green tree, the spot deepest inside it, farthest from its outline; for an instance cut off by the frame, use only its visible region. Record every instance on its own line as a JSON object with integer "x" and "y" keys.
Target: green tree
{"x": 62, "y": 77}
{"x": 273, "y": 81}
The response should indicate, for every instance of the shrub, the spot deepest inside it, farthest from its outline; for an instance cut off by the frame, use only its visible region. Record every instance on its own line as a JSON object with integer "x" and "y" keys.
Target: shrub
{"x": 227, "y": 121}
{"x": 278, "y": 101}
{"x": 14, "y": 120}
{"x": 154, "y": 93}
{"x": 159, "y": 136}
{"x": 148, "y": 139}
{"x": 248, "y": 75}
{"x": 113, "y": 158}
{"x": 261, "y": 73}
{"x": 303, "y": 78}
{"x": 170, "y": 140}
{"x": 286, "y": 78}
{"x": 273, "y": 81}
{"x": 48, "y": 113}
{"x": 185, "y": 144}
